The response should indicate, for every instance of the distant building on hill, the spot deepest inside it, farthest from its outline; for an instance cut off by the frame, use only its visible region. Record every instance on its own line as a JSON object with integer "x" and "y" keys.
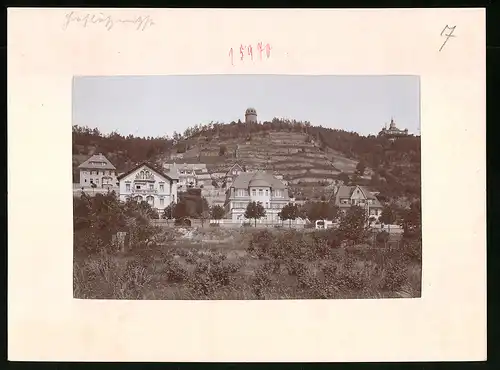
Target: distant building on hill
{"x": 392, "y": 132}
{"x": 348, "y": 196}
{"x": 256, "y": 186}
{"x": 97, "y": 172}
{"x": 251, "y": 115}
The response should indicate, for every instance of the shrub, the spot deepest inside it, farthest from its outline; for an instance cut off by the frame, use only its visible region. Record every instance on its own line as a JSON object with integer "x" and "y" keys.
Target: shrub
{"x": 382, "y": 238}
{"x": 209, "y": 276}
{"x": 174, "y": 272}
{"x": 262, "y": 280}
{"x": 394, "y": 276}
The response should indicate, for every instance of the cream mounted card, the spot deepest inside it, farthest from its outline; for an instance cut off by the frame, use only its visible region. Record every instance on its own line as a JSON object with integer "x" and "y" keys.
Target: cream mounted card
{"x": 287, "y": 192}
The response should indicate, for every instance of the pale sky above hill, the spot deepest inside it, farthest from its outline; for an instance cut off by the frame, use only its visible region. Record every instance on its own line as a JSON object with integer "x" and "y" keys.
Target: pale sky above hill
{"x": 159, "y": 105}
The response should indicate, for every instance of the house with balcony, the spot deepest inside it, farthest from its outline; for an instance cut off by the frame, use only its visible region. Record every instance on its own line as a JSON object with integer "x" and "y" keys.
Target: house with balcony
{"x": 97, "y": 172}
{"x": 259, "y": 186}
{"x": 191, "y": 175}
{"x": 348, "y": 196}
{"x": 147, "y": 183}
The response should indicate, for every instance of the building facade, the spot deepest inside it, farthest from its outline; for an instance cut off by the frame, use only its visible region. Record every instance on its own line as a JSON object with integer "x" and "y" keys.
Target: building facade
{"x": 97, "y": 172}
{"x": 146, "y": 183}
{"x": 348, "y": 196}
{"x": 191, "y": 175}
{"x": 256, "y": 186}
{"x": 393, "y": 132}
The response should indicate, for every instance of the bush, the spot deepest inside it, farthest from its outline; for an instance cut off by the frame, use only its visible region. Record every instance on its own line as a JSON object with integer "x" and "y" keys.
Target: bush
{"x": 382, "y": 238}
{"x": 262, "y": 280}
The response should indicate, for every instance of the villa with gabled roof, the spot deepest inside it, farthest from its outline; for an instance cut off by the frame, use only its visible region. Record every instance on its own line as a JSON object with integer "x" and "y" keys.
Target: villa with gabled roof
{"x": 259, "y": 186}
{"x": 146, "y": 182}
{"x": 98, "y": 172}
{"x": 347, "y": 196}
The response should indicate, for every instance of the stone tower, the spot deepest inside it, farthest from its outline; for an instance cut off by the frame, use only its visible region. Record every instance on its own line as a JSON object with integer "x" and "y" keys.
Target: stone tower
{"x": 251, "y": 115}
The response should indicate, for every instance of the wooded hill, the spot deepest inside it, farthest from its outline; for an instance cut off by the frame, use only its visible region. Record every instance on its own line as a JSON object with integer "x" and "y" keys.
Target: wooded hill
{"x": 306, "y": 155}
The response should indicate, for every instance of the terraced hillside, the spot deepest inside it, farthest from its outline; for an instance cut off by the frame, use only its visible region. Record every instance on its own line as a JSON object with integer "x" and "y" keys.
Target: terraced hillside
{"x": 293, "y": 155}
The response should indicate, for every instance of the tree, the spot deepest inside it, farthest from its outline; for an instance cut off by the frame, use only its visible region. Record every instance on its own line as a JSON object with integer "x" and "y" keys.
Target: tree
{"x": 344, "y": 177}
{"x": 412, "y": 220}
{"x": 179, "y": 211}
{"x": 289, "y": 212}
{"x": 168, "y": 212}
{"x": 360, "y": 168}
{"x": 255, "y": 210}
{"x": 314, "y": 211}
{"x": 388, "y": 216}
{"x": 217, "y": 212}
{"x": 353, "y": 224}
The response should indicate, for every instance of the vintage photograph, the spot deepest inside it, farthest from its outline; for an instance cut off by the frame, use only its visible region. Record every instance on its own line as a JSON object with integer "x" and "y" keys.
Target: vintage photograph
{"x": 246, "y": 187}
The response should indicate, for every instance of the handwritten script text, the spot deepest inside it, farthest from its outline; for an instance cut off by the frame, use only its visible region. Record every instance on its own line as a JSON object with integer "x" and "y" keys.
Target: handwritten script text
{"x": 447, "y": 35}
{"x": 248, "y": 52}
{"x": 85, "y": 20}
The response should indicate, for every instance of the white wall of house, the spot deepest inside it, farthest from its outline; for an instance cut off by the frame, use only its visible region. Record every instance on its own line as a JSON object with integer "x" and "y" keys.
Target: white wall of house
{"x": 272, "y": 201}
{"x": 101, "y": 178}
{"x": 146, "y": 184}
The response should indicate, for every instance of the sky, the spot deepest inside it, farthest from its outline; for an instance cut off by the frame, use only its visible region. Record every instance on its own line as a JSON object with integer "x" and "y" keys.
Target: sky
{"x": 160, "y": 105}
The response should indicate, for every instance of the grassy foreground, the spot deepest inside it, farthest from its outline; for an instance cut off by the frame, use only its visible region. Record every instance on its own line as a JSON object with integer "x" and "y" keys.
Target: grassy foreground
{"x": 243, "y": 263}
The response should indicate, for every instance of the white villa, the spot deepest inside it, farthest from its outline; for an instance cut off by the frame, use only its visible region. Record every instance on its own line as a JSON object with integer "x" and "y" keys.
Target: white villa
{"x": 147, "y": 183}
{"x": 97, "y": 170}
{"x": 256, "y": 186}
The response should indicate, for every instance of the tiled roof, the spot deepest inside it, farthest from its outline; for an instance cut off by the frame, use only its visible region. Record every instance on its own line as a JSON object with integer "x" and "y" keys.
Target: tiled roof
{"x": 171, "y": 174}
{"x": 259, "y": 178}
{"x": 346, "y": 192}
{"x": 99, "y": 158}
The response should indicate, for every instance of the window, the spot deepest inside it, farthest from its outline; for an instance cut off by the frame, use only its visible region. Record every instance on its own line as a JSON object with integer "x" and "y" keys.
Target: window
{"x": 127, "y": 187}
{"x": 97, "y": 181}
{"x": 106, "y": 172}
{"x": 260, "y": 192}
{"x": 85, "y": 180}
{"x": 162, "y": 187}
{"x": 151, "y": 186}
{"x": 138, "y": 187}
{"x": 161, "y": 202}
{"x": 254, "y": 193}
{"x": 267, "y": 205}
{"x": 267, "y": 193}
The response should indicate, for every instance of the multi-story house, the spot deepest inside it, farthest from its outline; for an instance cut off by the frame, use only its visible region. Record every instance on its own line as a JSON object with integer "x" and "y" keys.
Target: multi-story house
{"x": 347, "y": 196}
{"x": 189, "y": 173}
{"x": 97, "y": 170}
{"x": 147, "y": 183}
{"x": 256, "y": 186}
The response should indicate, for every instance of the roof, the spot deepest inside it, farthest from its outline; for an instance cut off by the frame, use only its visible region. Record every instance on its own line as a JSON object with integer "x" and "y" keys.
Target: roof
{"x": 250, "y": 110}
{"x": 171, "y": 175}
{"x": 233, "y": 166}
{"x": 345, "y": 191}
{"x": 259, "y": 178}
{"x": 97, "y": 158}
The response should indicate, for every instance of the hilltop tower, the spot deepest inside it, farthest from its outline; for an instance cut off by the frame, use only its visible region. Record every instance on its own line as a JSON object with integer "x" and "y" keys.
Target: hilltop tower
{"x": 251, "y": 115}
